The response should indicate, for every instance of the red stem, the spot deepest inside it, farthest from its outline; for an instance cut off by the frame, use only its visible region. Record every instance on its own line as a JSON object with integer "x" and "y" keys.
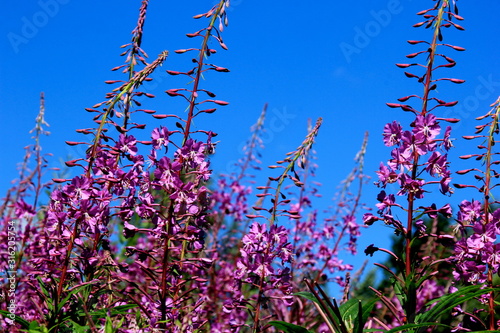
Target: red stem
{"x": 194, "y": 92}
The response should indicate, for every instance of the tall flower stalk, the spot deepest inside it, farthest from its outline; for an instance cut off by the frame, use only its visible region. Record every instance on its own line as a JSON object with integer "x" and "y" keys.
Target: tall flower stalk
{"x": 418, "y": 153}
{"x": 477, "y": 253}
{"x": 266, "y": 243}
{"x": 21, "y": 214}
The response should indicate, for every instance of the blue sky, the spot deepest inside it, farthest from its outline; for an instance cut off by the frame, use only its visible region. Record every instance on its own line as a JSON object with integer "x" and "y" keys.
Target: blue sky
{"x": 324, "y": 59}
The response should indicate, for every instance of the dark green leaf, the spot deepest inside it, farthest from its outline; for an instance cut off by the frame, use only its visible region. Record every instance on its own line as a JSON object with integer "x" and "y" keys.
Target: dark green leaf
{"x": 307, "y": 295}
{"x": 68, "y": 296}
{"x": 289, "y": 328}
{"x": 349, "y": 309}
{"x": 24, "y": 323}
{"x": 410, "y": 326}
{"x": 79, "y": 329}
{"x": 365, "y": 313}
{"x": 447, "y": 302}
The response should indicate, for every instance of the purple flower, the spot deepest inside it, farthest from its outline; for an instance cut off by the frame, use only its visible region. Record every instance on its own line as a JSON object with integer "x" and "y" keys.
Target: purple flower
{"x": 192, "y": 153}
{"x": 129, "y": 230}
{"x": 386, "y": 202}
{"x": 386, "y": 175}
{"x": 483, "y": 234}
{"x": 369, "y": 218}
{"x": 413, "y": 144}
{"x": 421, "y": 227}
{"x": 447, "y": 144}
{"x": 24, "y": 209}
{"x": 409, "y": 185}
{"x": 444, "y": 183}
{"x": 258, "y": 254}
{"x": 446, "y": 211}
{"x": 127, "y": 144}
{"x": 257, "y": 235}
{"x": 80, "y": 187}
{"x": 426, "y": 127}
{"x": 160, "y": 137}
{"x": 167, "y": 173}
{"x": 401, "y": 157}
{"x": 392, "y": 134}
{"x": 471, "y": 272}
{"x": 432, "y": 211}
{"x": 105, "y": 164}
{"x": 436, "y": 165}
{"x": 491, "y": 255}
{"x": 469, "y": 211}
{"x": 185, "y": 199}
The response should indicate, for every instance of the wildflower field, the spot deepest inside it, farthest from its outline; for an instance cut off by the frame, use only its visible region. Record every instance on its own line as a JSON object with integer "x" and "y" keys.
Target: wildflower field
{"x": 137, "y": 232}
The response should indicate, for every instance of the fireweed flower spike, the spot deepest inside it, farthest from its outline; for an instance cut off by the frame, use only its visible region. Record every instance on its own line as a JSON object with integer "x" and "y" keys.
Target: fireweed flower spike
{"x": 229, "y": 205}
{"x": 217, "y": 13}
{"x": 267, "y": 243}
{"x": 477, "y": 252}
{"x": 22, "y": 218}
{"x": 80, "y": 212}
{"x": 84, "y": 212}
{"x": 418, "y": 158}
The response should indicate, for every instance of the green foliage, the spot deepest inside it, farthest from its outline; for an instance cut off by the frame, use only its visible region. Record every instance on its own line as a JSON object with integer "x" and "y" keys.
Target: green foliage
{"x": 349, "y": 317}
{"x": 447, "y": 302}
{"x": 289, "y": 328}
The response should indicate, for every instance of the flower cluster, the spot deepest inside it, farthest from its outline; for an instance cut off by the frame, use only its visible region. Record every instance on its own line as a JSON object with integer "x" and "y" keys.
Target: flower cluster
{"x": 418, "y": 161}
{"x": 477, "y": 252}
{"x": 261, "y": 248}
{"x": 144, "y": 238}
{"x": 318, "y": 245}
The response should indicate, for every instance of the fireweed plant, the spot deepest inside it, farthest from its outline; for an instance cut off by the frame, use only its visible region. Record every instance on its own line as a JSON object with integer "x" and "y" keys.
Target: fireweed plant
{"x": 419, "y": 162}
{"x": 165, "y": 268}
{"x": 20, "y": 213}
{"x": 477, "y": 252}
{"x": 146, "y": 239}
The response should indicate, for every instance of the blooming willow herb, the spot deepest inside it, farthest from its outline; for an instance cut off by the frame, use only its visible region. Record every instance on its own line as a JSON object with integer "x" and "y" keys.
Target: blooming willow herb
{"x": 265, "y": 244}
{"x": 418, "y": 162}
{"x": 20, "y": 232}
{"x": 477, "y": 253}
{"x": 161, "y": 197}
{"x": 146, "y": 239}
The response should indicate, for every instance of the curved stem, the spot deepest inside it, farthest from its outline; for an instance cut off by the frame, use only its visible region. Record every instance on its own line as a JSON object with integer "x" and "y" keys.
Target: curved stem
{"x": 201, "y": 56}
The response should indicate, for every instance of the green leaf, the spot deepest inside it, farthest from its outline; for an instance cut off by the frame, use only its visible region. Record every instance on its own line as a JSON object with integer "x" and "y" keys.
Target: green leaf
{"x": 410, "y": 326}
{"x": 45, "y": 291}
{"x": 349, "y": 313}
{"x": 354, "y": 314}
{"x": 108, "y": 327}
{"x": 24, "y": 323}
{"x": 120, "y": 309}
{"x": 365, "y": 313}
{"x": 307, "y": 295}
{"x": 38, "y": 329}
{"x": 289, "y": 328}
{"x": 447, "y": 302}
{"x": 79, "y": 328}
{"x": 71, "y": 293}
{"x": 35, "y": 328}
{"x": 349, "y": 308}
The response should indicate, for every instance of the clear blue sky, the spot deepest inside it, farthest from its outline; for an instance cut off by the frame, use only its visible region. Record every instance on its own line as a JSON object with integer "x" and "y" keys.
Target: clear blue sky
{"x": 333, "y": 59}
